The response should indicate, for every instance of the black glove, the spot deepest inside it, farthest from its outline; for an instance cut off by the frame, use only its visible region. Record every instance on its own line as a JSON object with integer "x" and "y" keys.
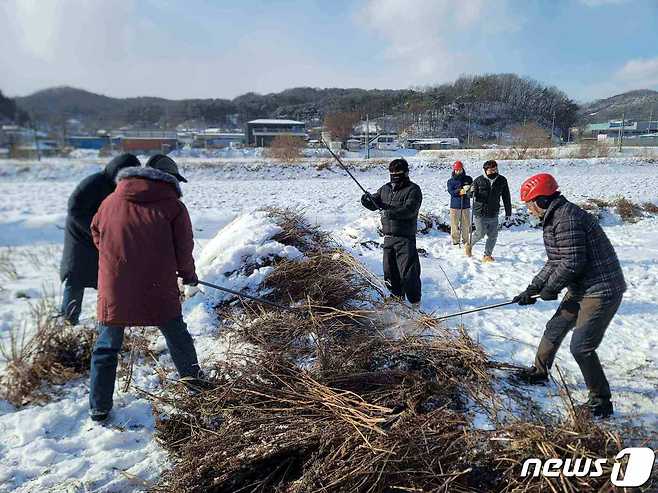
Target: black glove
{"x": 548, "y": 294}
{"x": 526, "y": 297}
{"x": 370, "y": 202}
{"x": 193, "y": 281}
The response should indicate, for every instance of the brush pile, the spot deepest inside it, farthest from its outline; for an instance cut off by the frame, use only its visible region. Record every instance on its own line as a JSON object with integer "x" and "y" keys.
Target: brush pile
{"x": 351, "y": 392}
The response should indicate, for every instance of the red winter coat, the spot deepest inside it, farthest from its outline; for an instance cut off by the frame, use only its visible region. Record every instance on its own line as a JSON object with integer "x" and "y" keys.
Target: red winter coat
{"x": 144, "y": 238}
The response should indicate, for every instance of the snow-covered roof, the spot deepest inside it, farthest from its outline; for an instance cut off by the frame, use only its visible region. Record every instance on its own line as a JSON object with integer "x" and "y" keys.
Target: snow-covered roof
{"x": 446, "y": 140}
{"x": 265, "y": 121}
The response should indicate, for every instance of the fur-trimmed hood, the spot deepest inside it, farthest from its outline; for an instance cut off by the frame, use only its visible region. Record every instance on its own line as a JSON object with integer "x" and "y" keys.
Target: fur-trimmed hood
{"x": 150, "y": 174}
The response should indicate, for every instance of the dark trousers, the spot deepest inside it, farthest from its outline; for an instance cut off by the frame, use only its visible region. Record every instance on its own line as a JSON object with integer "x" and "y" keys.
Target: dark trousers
{"x": 589, "y": 317}
{"x": 104, "y": 359}
{"x": 72, "y": 303}
{"x": 402, "y": 267}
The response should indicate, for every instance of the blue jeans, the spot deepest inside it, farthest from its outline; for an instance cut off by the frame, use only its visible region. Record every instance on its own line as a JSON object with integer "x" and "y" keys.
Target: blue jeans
{"x": 486, "y": 226}
{"x": 72, "y": 303}
{"x": 104, "y": 359}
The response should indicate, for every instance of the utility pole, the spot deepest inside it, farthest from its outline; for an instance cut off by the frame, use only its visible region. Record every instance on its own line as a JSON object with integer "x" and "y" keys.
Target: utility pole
{"x": 553, "y": 127}
{"x": 367, "y": 136}
{"x": 650, "y": 118}
{"x": 36, "y": 141}
{"x": 468, "y": 128}
{"x": 621, "y": 131}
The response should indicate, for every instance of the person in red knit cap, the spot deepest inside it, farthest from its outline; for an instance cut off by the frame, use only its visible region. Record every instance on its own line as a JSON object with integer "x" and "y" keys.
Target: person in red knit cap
{"x": 459, "y": 186}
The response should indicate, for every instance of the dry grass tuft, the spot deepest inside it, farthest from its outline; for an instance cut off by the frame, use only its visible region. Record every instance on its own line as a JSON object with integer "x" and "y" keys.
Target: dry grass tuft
{"x": 54, "y": 354}
{"x": 627, "y": 210}
{"x": 8, "y": 271}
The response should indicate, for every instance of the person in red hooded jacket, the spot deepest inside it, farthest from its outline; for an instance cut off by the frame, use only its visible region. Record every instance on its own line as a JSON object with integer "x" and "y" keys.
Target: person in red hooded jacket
{"x": 144, "y": 238}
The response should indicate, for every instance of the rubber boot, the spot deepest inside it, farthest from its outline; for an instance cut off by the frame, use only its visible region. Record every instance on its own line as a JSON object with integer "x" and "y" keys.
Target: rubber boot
{"x": 531, "y": 376}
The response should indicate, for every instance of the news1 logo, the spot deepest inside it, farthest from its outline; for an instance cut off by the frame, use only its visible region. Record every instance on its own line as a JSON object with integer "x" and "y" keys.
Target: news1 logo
{"x": 636, "y": 472}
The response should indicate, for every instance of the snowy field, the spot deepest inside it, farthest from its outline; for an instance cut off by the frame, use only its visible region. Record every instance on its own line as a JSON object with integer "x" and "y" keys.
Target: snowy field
{"x": 55, "y": 447}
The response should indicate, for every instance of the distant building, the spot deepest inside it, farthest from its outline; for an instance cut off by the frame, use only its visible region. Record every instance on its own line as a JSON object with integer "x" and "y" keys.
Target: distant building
{"x": 377, "y": 137}
{"x": 26, "y": 142}
{"x": 433, "y": 144}
{"x": 612, "y": 129}
{"x": 215, "y": 139}
{"x": 95, "y": 142}
{"x": 147, "y": 141}
{"x": 261, "y": 133}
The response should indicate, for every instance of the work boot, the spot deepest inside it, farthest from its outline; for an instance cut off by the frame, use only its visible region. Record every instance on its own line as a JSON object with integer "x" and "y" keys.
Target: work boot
{"x": 597, "y": 407}
{"x": 468, "y": 250}
{"x": 99, "y": 416}
{"x": 531, "y": 376}
{"x": 488, "y": 258}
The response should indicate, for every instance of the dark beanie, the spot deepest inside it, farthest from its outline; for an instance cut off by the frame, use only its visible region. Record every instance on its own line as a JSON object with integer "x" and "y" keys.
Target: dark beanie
{"x": 490, "y": 164}
{"x": 166, "y": 164}
{"x": 398, "y": 165}
{"x": 118, "y": 163}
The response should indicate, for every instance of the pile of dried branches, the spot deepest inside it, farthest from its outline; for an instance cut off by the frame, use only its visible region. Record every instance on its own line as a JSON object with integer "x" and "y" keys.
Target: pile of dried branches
{"x": 270, "y": 425}
{"x": 352, "y": 394}
{"x": 322, "y": 279}
{"x": 297, "y": 231}
{"x": 54, "y": 354}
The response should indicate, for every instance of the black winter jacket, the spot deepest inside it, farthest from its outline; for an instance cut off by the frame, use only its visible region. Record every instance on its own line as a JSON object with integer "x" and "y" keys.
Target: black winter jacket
{"x": 400, "y": 206}
{"x": 80, "y": 257}
{"x": 486, "y": 198}
{"x": 580, "y": 255}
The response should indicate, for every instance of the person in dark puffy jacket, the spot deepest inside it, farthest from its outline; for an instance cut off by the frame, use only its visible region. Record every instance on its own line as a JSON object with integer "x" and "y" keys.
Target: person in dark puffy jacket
{"x": 582, "y": 260}
{"x": 399, "y": 202}
{"x": 144, "y": 236}
{"x": 79, "y": 265}
{"x": 459, "y": 186}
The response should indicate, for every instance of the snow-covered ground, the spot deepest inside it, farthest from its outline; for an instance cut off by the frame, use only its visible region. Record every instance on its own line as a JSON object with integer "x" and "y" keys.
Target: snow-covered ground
{"x": 56, "y": 448}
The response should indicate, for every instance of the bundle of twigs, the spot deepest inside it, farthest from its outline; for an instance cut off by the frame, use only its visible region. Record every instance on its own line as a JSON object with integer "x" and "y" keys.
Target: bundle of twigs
{"x": 322, "y": 279}
{"x": 297, "y": 231}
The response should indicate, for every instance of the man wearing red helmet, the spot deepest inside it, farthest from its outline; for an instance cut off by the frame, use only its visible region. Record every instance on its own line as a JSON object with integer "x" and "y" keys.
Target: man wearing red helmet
{"x": 459, "y": 185}
{"x": 581, "y": 259}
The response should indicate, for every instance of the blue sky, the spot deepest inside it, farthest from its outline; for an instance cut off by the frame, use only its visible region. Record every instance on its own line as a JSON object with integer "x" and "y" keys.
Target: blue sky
{"x": 202, "y": 48}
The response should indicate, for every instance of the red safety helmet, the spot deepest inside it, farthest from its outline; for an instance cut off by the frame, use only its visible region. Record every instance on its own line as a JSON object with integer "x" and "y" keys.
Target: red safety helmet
{"x": 539, "y": 185}
{"x": 457, "y": 166}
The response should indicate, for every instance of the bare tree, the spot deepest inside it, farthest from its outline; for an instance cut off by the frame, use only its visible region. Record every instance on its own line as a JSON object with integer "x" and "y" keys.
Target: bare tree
{"x": 529, "y": 136}
{"x": 340, "y": 124}
{"x": 286, "y": 148}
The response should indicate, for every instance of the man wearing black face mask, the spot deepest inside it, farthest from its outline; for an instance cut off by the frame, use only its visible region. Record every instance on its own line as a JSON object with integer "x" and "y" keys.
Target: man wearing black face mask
{"x": 487, "y": 191}
{"x": 399, "y": 202}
